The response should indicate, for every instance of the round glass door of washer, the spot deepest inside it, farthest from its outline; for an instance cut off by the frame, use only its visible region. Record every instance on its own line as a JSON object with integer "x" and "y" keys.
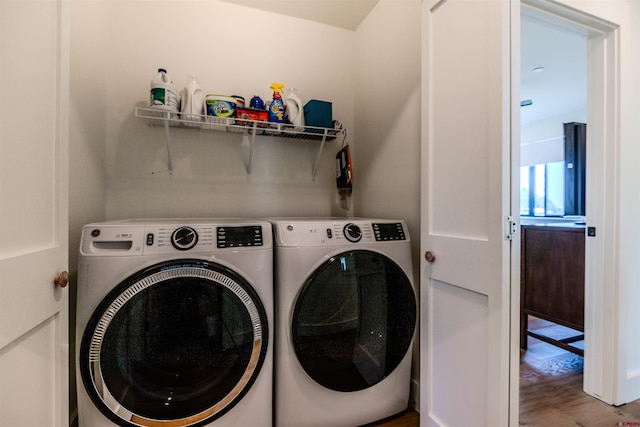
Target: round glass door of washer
{"x": 177, "y": 344}
{"x": 354, "y": 320}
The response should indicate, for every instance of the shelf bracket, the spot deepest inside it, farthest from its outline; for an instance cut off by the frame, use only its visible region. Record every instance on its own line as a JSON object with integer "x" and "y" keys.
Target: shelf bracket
{"x": 167, "y": 137}
{"x": 317, "y": 161}
{"x": 248, "y": 142}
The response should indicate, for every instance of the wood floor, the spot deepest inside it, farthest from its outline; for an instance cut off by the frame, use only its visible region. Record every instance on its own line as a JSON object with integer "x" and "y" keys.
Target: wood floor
{"x": 551, "y": 391}
{"x": 551, "y": 394}
{"x": 409, "y": 418}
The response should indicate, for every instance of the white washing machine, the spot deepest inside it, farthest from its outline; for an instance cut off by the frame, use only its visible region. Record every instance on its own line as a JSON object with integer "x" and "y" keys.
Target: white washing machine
{"x": 174, "y": 323}
{"x": 345, "y": 320}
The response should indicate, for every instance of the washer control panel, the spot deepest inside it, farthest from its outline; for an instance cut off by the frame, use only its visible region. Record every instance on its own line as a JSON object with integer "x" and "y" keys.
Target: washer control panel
{"x": 133, "y": 237}
{"x": 384, "y": 232}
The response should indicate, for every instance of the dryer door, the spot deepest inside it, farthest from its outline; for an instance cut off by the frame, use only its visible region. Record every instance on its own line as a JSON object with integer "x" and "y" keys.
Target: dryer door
{"x": 354, "y": 320}
{"x": 178, "y": 344}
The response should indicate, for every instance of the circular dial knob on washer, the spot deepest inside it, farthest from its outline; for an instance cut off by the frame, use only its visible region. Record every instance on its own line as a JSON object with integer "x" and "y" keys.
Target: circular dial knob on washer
{"x": 352, "y": 232}
{"x": 184, "y": 238}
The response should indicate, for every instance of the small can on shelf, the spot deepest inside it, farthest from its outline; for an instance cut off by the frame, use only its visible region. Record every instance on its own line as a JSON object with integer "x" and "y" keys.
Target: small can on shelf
{"x": 244, "y": 114}
{"x": 221, "y": 110}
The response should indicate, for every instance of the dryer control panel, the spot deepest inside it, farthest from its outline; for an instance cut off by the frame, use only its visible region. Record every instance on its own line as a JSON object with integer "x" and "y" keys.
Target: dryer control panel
{"x": 339, "y": 232}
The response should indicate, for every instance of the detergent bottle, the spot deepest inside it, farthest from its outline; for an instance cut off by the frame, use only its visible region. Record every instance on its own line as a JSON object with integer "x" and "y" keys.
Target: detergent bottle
{"x": 163, "y": 95}
{"x": 192, "y": 101}
{"x": 295, "y": 111}
{"x": 276, "y": 108}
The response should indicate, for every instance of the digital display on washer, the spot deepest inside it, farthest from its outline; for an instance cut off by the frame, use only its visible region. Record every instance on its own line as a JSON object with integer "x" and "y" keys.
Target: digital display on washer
{"x": 388, "y": 231}
{"x": 234, "y": 237}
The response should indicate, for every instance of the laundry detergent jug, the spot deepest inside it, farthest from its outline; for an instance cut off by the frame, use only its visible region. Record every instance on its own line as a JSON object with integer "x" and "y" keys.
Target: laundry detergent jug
{"x": 294, "y": 110}
{"x": 163, "y": 95}
{"x": 192, "y": 101}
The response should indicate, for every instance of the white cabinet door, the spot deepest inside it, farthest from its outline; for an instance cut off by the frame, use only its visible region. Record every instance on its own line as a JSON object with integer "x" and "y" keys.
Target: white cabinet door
{"x": 466, "y": 163}
{"x": 34, "y": 342}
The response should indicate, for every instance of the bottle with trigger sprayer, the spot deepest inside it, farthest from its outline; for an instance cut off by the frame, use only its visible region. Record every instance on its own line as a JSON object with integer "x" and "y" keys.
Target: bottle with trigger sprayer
{"x": 276, "y": 108}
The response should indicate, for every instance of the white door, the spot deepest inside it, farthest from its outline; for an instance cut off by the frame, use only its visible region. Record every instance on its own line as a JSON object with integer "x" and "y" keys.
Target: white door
{"x": 34, "y": 342}
{"x": 466, "y": 163}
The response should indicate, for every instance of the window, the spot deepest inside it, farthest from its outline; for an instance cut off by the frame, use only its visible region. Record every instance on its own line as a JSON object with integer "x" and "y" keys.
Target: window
{"x": 542, "y": 189}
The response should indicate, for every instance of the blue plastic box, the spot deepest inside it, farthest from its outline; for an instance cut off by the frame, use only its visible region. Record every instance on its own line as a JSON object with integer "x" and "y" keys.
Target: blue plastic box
{"x": 318, "y": 113}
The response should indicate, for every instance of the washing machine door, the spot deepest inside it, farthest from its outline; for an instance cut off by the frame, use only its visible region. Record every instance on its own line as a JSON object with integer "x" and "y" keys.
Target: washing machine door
{"x": 353, "y": 320}
{"x": 178, "y": 344}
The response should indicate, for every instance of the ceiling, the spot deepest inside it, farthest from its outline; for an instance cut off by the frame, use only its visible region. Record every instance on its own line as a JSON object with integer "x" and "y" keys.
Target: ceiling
{"x": 340, "y": 13}
{"x": 559, "y": 48}
{"x": 562, "y": 86}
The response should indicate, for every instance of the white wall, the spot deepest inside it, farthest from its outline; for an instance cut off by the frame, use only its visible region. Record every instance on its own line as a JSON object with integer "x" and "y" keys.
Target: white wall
{"x": 232, "y": 50}
{"x": 87, "y": 178}
{"x": 387, "y": 117}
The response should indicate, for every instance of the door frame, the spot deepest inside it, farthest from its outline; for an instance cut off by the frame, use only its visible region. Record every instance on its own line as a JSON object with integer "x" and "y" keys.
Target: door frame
{"x": 602, "y": 187}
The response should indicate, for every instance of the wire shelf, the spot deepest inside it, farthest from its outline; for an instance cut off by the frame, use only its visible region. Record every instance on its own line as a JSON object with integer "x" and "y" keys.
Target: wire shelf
{"x": 237, "y": 125}
{"x": 248, "y": 128}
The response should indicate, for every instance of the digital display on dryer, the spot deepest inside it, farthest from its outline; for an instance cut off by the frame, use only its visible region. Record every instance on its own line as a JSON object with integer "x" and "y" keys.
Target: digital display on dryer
{"x": 234, "y": 237}
{"x": 384, "y": 232}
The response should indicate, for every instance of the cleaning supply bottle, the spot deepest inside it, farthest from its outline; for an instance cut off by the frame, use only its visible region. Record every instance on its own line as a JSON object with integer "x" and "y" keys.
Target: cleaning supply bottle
{"x": 163, "y": 95}
{"x": 192, "y": 101}
{"x": 256, "y": 102}
{"x": 276, "y": 108}
{"x": 294, "y": 110}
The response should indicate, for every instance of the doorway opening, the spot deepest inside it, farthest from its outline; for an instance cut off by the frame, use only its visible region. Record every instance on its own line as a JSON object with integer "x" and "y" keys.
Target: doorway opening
{"x": 554, "y": 40}
{"x": 554, "y": 62}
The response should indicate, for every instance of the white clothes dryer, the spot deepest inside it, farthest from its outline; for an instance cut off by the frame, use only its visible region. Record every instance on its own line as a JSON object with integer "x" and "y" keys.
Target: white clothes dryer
{"x": 174, "y": 323}
{"x": 345, "y": 320}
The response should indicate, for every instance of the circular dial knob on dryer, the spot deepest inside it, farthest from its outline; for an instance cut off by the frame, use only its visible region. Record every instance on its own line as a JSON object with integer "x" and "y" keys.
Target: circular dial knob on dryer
{"x": 352, "y": 232}
{"x": 184, "y": 238}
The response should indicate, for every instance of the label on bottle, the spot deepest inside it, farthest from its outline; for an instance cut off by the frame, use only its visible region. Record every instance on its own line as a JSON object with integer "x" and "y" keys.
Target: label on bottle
{"x": 162, "y": 97}
{"x": 276, "y": 111}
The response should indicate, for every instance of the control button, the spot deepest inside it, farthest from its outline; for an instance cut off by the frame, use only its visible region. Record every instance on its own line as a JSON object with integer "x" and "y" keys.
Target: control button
{"x": 184, "y": 238}
{"x": 352, "y": 232}
{"x": 95, "y": 233}
{"x": 150, "y": 239}
{"x": 329, "y": 233}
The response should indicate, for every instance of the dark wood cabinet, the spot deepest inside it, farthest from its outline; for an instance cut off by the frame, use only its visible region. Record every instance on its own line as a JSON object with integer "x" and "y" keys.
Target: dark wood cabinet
{"x": 552, "y": 280}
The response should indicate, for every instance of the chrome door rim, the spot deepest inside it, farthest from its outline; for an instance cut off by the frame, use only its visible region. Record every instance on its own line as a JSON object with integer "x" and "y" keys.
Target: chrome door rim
{"x": 178, "y": 272}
